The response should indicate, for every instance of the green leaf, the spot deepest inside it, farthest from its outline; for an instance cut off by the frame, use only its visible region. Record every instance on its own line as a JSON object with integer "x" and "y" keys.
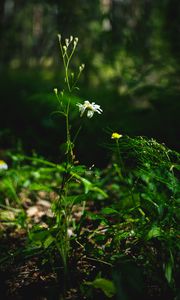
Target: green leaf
{"x": 109, "y": 211}
{"x": 48, "y": 241}
{"x": 94, "y": 216}
{"x": 168, "y": 271}
{"x": 78, "y": 169}
{"x": 71, "y": 200}
{"x": 39, "y": 187}
{"x": 155, "y": 231}
{"x": 169, "y": 268}
{"x": 9, "y": 185}
{"x": 107, "y": 286}
{"x": 39, "y": 234}
{"x": 100, "y": 191}
{"x": 87, "y": 185}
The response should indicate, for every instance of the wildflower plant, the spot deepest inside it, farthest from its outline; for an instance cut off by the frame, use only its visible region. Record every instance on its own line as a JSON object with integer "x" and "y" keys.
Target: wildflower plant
{"x": 72, "y": 171}
{"x": 116, "y": 136}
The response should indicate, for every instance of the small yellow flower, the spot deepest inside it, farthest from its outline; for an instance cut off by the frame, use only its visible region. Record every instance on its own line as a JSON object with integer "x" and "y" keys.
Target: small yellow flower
{"x": 3, "y": 165}
{"x": 116, "y": 136}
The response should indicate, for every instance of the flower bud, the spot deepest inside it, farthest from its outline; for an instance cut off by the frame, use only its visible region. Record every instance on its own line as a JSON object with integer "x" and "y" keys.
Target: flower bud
{"x": 81, "y": 68}
{"x": 55, "y": 91}
{"x": 65, "y": 48}
{"x": 75, "y": 41}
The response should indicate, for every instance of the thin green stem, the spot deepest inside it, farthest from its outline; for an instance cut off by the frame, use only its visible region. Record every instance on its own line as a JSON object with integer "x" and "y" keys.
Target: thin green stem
{"x": 65, "y": 64}
{"x": 77, "y": 133}
{"x": 67, "y": 67}
{"x": 120, "y": 158}
{"x": 74, "y": 84}
{"x": 100, "y": 261}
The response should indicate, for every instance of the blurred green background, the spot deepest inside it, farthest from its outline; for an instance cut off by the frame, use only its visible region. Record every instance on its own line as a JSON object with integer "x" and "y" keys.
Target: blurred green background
{"x": 131, "y": 50}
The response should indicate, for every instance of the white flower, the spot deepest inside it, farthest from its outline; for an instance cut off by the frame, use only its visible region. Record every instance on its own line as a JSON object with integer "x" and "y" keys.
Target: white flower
{"x": 90, "y": 107}
{"x": 3, "y": 165}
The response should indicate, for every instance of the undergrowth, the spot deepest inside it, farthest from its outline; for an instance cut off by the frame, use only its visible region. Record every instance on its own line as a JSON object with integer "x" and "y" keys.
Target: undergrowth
{"x": 106, "y": 233}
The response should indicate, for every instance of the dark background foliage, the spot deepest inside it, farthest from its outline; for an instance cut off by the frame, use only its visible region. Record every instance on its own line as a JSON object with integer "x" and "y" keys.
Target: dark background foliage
{"x": 131, "y": 52}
